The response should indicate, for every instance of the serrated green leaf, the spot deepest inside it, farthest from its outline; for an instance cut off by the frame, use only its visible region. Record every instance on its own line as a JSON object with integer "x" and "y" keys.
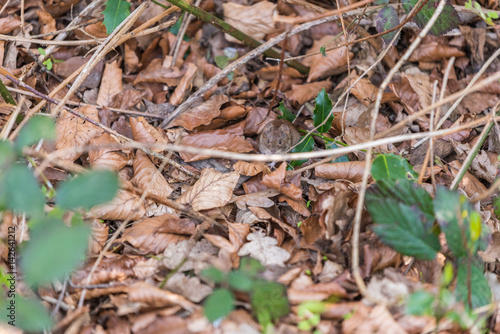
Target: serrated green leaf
{"x": 285, "y": 113}
{"x": 307, "y": 145}
{"x": 390, "y": 166}
{"x": 387, "y": 18}
{"x": 53, "y": 251}
{"x": 219, "y": 304}
{"x": 407, "y": 228}
{"x": 480, "y": 289}
{"x": 213, "y": 274}
{"x": 269, "y": 301}
{"x": 115, "y": 13}
{"x": 240, "y": 281}
{"x": 38, "y": 127}
{"x": 322, "y": 112}
{"x": 20, "y": 191}
{"x": 447, "y": 20}
{"x": 31, "y": 315}
{"x": 86, "y": 190}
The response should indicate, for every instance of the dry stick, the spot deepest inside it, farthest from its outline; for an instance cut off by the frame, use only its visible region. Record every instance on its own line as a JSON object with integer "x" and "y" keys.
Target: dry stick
{"x": 361, "y": 195}
{"x": 431, "y": 146}
{"x": 181, "y": 33}
{"x": 12, "y": 119}
{"x": 237, "y": 63}
{"x": 69, "y": 28}
{"x": 103, "y": 49}
{"x": 46, "y": 42}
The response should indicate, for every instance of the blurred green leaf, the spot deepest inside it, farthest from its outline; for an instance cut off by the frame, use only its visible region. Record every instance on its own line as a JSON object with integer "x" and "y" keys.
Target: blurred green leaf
{"x": 387, "y": 18}
{"x": 213, "y": 274}
{"x": 480, "y": 289}
{"x": 447, "y": 20}
{"x": 86, "y": 190}
{"x": 322, "y": 112}
{"x": 7, "y": 154}
{"x": 269, "y": 301}
{"x": 31, "y": 315}
{"x": 420, "y": 303}
{"x": 54, "y": 250}
{"x": 240, "y": 281}
{"x": 38, "y": 127}
{"x": 219, "y": 304}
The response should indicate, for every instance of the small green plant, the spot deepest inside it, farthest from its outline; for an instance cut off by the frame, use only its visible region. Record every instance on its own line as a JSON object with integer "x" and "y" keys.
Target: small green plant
{"x": 49, "y": 61}
{"x": 309, "y": 314}
{"x": 487, "y": 17}
{"x": 410, "y": 221}
{"x": 54, "y": 249}
{"x": 268, "y": 299}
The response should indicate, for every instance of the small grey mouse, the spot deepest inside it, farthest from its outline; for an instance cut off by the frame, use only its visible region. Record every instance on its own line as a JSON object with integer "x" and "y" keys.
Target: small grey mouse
{"x": 278, "y": 136}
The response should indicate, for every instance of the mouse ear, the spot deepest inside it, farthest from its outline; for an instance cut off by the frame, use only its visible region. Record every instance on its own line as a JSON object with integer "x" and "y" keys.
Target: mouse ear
{"x": 284, "y": 128}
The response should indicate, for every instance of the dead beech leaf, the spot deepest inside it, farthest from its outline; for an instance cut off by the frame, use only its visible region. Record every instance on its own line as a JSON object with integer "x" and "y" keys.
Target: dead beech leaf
{"x": 421, "y": 84}
{"x": 98, "y": 236}
{"x": 73, "y": 132}
{"x": 264, "y": 249}
{"x": 259, "y": 199}
{"x": 485, "y": 165}
{"x": 492, "y": 253}
{"x": 113, "y": 267}
{"x": 202, "y": 114}
{"x": 48, "y": 24}
{"x": 9, "y": 23}
{"x": 144, "y": 132}
{"x": 144, "y": 171}
{"x": 152, "y": 235}
{"x": 124, "y": 205}
{"x": 435, "y": 52}
{"x": 146, "y": 269}
{"x": 311, "y": 229}
{"x": 365, "y": 91}
{"x": 189, "y": 287}
{"x": 157, "y": 71}
{"x": 276, "y": 180}
{"x": 470, "y": 184}
{"x": 300, "y": 94}
{"x": 141, "y": 292}
{"x": 371, "y": 320}
{"x": 111, "y": 84}
{"x": 69, "y": 66}
{"x": 335, "y": 60}
{"x": 105, "y": 157}
{"x": 184, "y": 86}
{"x": 255, "y": 21}
{"x": 251, "y": 168}
{"x": 131, "y": 60}
{"x": 349, "y": 170}
{"x": 215, "y": 139}
{"x": 197, "y": 255}
{"x": 320, "y": 291}
{"x": 212, "y": 190}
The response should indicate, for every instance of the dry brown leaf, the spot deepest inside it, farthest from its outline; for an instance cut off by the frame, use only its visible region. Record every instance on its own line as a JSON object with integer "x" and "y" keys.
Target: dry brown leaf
{"x": 124, "y": 205}
{"x": 202, "y": 114}
{"x": 98, "y": 236}
{"x": 105, "y": 157}
{"x": 251, "y": 168}
{"x": 69, "y": 66}
{"x": 275, "y": 179}
{"x": 9, "y": 23}
{"x": 113, "y": 267}
{"x": 161, "y": 72}
{"x": 264, "y": 249}
{"x": 198, "y": 256}
{"x": 111, "y": 84}
{"x": 141, "y": 292}
{"x": 152, "y": 235}
{"x": 48, "y": 24}
{"x": 485, "y": 165}
{"x": 144, "y": 172}
{"x": 212, "y": 190}
{"x": 259, "y": 199}
{"x": 146, "y": 269}
{"x": 311, "y": 229}
{"x": 435, "y": 51}
{"x": 334, "y": 63}
{"x": 368, "y": 320}
{"x": 73, "y": 132}
{"x": 131, "y": 60}
{"x": 144, "y": 132}
{"x": 189, "y": 287}
{"x": 300, "y": 94}
{"x": 320, "y": 291}
{"x": 233, "y": 111}
{"x": 349, "y": 170}
{"x": 255, "y": 21}
{"x": 470, "y": 184}
{"x": 421, "y": 84}
{"x": 215, "y": 139}
{"x": 365, "y": 91}
{"x": 184, "y": 87}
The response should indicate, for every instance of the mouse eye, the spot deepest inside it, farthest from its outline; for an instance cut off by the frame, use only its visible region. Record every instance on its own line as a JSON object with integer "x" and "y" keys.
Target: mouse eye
{"x": 280, "y": 141}
{"x": 269, "y": 141}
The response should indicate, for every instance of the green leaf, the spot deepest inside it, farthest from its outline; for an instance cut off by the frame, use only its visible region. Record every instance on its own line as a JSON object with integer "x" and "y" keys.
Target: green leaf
{"x": 38, "y": 127}
{"x": 285, "y": 113}
{"x": 41, "y": 51}
{"x": 447, "y": 20}
{"x": 86, "y": 190}
{"x": 115, "y": 13}
{"x": 420, "y": 303}
{"x": 219, "y": 304}
{"x": 307, "y": 145}
{"x": 251, "y": 267}
{"x": 20, "y": 192}
{"x": 323, "y": 51}
{"x": 322, "y": 112}
{"x": 342, "y": 158}
{"x": 213, "y": 274}
{"x": 31, "y": 315}
{"x": 381, "y": 2}
{"x": 240, "y": 281}
{"x": 6, "y": 94}
{"x": 387, "y": 18}
{"x": 53, "y": 251}
{"x": 480, "y": 290}
{"x": 406, "y": 227}
{"x": 269, "y": 301}
{"x": 221, "y": 61}
{"x": 390, "y": 166}
{"x": 7, "y": 154}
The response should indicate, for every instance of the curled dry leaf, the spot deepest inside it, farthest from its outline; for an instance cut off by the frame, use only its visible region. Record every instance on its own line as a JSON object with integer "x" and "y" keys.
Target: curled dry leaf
{"x": 185, "y": 85}
{"x": 334, "y": 63}
{"x": 276, "y": 180}
{"x": 435, "y": 51}
{"x": 113, "y": 267}
{"x": 470, "y": 184}
{"x": 212, "y": 190}
{"x": 485, "y": 165}
{"x": 300, "y": 94}
{"x": 141, "y": 292}
{"x": 255, "y": 21}
{"x": 202, "y": 114}
{"x": 264, "y": 249}
{"x": 48, "y": 24}
{"x": 251, "y": 168}
{"x": 144, "y": 172}
{"x": 371, "y": 320}
{"x": 111, "y": 84}
{"x": 106, "y": 157}
{"x": 320, "y": 291}
{"x": 198, "y": 256}
{"x": 259, "y": 199}
{"x": 69, "y": 66}
{"x": 152, "y": 235}
{"x": 73, "y": 132}
{"x": 124, "y": 205}
{"x": 214, "y": 139}
{"x": 146, "y": 133}
{"x": 161, "y": 72}
{"x": 131, "y": 60}
{"x": 349, "y": 170}
{"x": 8, "y": 24}
{"x": 189, "y": 287}
{"x": 365, "y": 91}
{"x": 311, "y": 229}
{"x": 98, "y": 236}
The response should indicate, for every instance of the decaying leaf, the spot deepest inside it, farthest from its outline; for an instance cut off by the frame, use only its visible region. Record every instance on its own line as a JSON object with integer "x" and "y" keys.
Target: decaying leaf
{"x": 202, "y": 114}
{"x": 124, "y": 206}
{"x": 256, "y": 20}
{"x": 111, "y": 84}
{"x": 251, "y": 168}
{"x": 105, "y": 157}
{"x": 264, "y": 249}
{"x": 148, "y": 177}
